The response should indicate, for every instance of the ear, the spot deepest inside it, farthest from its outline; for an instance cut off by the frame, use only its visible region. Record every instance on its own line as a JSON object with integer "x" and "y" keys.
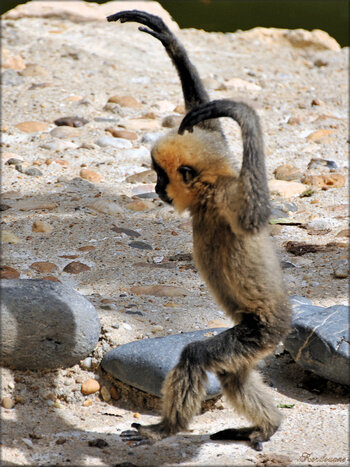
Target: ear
{"x": 188, "y": 173}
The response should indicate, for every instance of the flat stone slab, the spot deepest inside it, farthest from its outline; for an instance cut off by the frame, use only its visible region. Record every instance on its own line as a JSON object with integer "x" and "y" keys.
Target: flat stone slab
{"x": 320, "y": 339}
{"x": 45, "y": 324}
{"x": 144, "y": 364}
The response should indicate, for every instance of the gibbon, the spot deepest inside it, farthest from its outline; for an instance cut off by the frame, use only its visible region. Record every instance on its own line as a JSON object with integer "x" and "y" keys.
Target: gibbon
{"x": 232, "y": 250}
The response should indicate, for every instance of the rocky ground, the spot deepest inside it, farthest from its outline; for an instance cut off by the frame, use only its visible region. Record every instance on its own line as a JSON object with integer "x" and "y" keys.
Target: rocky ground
{"x": 69, "y": 193}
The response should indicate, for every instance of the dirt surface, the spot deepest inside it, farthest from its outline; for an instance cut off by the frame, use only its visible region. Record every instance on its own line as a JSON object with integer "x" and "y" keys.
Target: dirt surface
{"x": 73, "y": 69}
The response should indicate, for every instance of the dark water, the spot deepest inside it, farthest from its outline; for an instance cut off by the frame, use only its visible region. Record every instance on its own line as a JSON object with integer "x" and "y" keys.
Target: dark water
{"x": 229, "y": 15}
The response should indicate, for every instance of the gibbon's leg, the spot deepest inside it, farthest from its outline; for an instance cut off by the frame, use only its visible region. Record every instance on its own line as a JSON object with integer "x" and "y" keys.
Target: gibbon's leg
{"x": 249, "y": 396}
{"x": 192, "y": 87}
{"x": 228, "y": 354}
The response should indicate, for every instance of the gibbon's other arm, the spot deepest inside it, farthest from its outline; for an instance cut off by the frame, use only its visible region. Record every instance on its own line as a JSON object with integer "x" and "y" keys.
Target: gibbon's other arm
{"x": 192, "y": 86}
{"x": 255, "y": 208}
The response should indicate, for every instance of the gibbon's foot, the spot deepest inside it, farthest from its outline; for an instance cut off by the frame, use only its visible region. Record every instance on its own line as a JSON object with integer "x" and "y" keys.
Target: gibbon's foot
{"x": 145, "y": 434}
{"x": 251, "y": 434}
{"x": 134, "y": 438}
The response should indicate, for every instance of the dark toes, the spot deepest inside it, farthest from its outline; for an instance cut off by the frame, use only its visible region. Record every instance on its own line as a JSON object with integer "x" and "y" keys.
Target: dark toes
{"x": 134, "y": 438}
{"x": 136, "y": 425}
{"x": 257, "y": 445}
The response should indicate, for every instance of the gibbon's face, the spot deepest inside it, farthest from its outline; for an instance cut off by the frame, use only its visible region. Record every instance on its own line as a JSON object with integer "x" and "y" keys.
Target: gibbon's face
{"x": 185, "y": 165}
{"x": 166, "y": 189}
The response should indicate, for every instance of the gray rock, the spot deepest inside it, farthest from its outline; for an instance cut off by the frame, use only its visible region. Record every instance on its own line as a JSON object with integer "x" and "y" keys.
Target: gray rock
{"x": 149, "y": 195}
{"x": 71, "y": 121}
{"x": 320, "y": 339}
{"x": 11, "y": 78}
{"x": 45, "y": 324}
{"x": 281, "y": 210}
{"x": 151, "y": 138}
{"x": 33, "y": 172}
{"x": 140, "y": 245}
{"x": 119, "y": 143}
{"x": 144, "y": 364}
{"x": 136, "y": 153}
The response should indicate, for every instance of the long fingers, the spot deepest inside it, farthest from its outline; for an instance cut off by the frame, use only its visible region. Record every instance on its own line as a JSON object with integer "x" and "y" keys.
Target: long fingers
{"x": 153, "y": 22}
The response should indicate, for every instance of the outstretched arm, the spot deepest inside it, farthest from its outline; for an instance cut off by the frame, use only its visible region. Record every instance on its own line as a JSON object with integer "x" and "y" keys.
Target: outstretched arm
{"x": 192, "y": 86}
{"x": 255, "y": 209}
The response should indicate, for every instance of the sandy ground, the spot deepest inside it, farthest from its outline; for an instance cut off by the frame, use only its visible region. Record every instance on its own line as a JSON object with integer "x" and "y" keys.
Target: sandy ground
{"x": 82, "y": 65}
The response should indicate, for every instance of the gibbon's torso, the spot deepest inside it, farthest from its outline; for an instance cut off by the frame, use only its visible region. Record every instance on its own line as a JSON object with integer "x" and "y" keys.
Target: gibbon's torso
{"x": 236, "y": 279}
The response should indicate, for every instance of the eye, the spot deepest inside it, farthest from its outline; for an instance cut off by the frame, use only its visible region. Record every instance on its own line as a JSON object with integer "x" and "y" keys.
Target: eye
{"x": 188, "y": 173}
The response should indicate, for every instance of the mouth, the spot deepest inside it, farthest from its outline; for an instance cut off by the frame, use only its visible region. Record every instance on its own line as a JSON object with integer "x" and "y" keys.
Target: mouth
{"x": 164, "y": 197}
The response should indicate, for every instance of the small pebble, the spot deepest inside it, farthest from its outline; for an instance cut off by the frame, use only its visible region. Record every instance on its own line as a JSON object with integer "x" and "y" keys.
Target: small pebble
{"x": 159, "y": 290}
{"x": 140, "y": 245}
{"x": 115, "y": 394}
{"x": 287, "y": 172}
{"x": 28, "y": 443}
{"x": 43, "y": 267}
{"x": 90, "y": 386}
{"x": 86, "y": 363}
{"x": 13, "y": 161}
{"x": 90, "y": 175}
{"x": 140, "y": 205}
{"x": 75, "y": 267}
{"x": 11, "y": 61}
{"x": 41, "y": 226}
{"x": 6, "y": 272}
{"x": 171, "y": 121}
{"x": 287, "y": 189}
{"x": 9, "y": 237}
{"x": 71, "y": 121}
{"x": 32, "y": 127}
{"x": 325, "y": 181}
{"x": 87, "y": 403}
{"x": 147, "y": 176}
{"x": 320, "y": 136}
{"x": 123, "y": 134}
{"x": 65, "y": 132}
{"x": 319, "y": 62}
{"x": 341, "y": 269}
{"x": 7, "y": 402}
{"x": 11, "y": 78}
{"x": 108, "y": 207}
{"x": 142, "y": 124}
{"x": 151, "y": 138}
{"x": 119, "y": 143}
{"x": 129, "y": 232}
{"x": 106, "y": 396}
{"x": 50, "y": 278}
{"x": 125, "y": 101}
{"x": 87, "y": 248}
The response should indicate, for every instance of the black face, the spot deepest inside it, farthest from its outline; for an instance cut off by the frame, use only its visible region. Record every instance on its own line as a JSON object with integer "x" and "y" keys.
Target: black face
{"x": 162, "y": 183}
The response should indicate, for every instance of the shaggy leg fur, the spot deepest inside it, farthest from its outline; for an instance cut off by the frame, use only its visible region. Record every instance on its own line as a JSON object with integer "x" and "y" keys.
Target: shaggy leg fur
{"x": 184, "y": 388}
{"x": 249, "y": 396}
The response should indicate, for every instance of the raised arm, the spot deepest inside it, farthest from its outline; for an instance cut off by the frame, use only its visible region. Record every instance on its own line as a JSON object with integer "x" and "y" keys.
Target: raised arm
{"x": 255, "y": 208}
{"x": 192, "y": 86}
